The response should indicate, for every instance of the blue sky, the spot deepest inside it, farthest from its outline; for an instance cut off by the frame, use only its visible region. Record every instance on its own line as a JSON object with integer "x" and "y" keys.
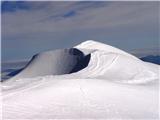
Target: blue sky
{"x": 32, "y": 27}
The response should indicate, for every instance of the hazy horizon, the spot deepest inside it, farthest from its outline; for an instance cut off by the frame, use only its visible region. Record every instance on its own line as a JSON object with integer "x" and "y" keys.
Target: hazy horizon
{"x": 32, "y": 27}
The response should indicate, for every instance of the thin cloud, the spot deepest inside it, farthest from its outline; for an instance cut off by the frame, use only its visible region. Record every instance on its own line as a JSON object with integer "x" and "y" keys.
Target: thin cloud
{"x": 121, "y": 24}
{"x": 61, "y": 16}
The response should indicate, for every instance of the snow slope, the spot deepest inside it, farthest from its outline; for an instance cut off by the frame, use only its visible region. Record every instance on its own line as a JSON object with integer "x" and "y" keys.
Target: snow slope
{"x": 55, "y": 62}
{"x": 93, "y": 45}
{"x": 91, "y": 60}
{"x": 91, "y": 80}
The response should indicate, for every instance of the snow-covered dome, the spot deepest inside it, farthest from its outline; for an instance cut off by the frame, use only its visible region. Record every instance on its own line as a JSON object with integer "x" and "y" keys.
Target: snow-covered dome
{"x": 86, "y": 81}
{"x": 90, "y": 59}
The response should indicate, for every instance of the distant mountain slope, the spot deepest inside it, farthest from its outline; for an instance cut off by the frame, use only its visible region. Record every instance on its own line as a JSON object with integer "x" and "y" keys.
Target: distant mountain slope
{"x": 152, "y": 59}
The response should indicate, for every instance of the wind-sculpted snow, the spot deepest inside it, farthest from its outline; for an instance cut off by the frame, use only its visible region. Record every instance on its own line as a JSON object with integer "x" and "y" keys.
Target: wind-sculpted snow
{"x": 56, "y": 62}
{"x": 118, "y": 68}
{"x": 90, "y": 81}
{"x": 91, "y": 60}
{"x": 93, "y": 45}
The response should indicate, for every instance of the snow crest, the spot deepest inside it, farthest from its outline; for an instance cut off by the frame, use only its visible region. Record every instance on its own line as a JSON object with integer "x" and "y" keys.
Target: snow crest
{"x": 116, "y": 67}
{"x": 91, "y": 59}
{"x": 84, "y": 82}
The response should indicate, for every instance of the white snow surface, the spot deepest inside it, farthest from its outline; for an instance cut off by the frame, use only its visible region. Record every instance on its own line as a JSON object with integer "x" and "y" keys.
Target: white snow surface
{"x": 114, "y": 85}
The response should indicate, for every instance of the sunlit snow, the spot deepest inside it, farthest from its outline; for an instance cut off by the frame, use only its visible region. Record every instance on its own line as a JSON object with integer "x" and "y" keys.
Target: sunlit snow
{"x": 91, "y": 80}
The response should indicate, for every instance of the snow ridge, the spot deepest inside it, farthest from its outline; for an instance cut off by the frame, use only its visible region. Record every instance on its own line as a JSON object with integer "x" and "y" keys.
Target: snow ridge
{"x": 91, "y": 59}
{"x": 90, "y": 81}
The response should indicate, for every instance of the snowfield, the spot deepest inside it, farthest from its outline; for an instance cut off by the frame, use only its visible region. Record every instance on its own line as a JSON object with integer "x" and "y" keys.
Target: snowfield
{"x": 90, "y": 81}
